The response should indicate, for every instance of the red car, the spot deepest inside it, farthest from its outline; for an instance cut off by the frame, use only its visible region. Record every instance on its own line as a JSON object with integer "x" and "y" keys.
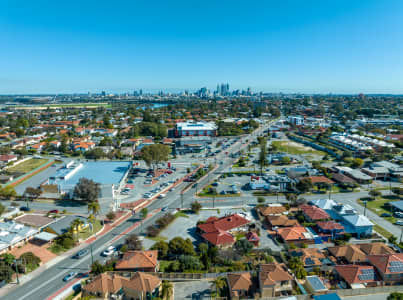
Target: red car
{"x": 169, "y": 171}
{"x": 54, "y": 211}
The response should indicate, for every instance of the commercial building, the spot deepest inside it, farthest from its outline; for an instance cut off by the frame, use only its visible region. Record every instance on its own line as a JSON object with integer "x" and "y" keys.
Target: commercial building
{"x": 195, "y": 129}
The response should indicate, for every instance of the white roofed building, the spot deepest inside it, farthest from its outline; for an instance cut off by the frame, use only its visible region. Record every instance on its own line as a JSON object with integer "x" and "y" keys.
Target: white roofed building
{"x": 183, "y": 129}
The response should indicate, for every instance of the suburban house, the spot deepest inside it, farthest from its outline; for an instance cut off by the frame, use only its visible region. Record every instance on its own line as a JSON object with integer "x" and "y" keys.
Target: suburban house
{"x": 271, "y": 210}
{"x": 110, "y": 286}
{"x": 389, "y": 266}
{"x": 83, "y": 146}
{"x": 218, "y": 231}
{"x": 274, "y": 280}
{"x": 348, "y": 254}
{"x": 281, "y": 221}
{"x": 7, "y": 158}
{"x": 296, "y": 235}
{"x": 313, "y": 213}
{"x": 376, "y": 248}
{"x": 240, "y": 285}
{"x": 314, "y": 284}
{"x": 144, "y": 261}
{"x": 358, "y": 225}
{"x": 14, "y": 234}
{"x": 329, "y": 230}
{"x": 311, "y": 257}
{"x": 357, "y": 276}
{"x": 325, "y": 204}
{"x": 253, "y": 238}
{"x": 63, "y": 224}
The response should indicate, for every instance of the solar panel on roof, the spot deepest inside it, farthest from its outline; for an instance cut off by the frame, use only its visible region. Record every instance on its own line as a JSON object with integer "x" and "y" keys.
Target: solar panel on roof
{"x": 396, "y": 269}
{"x": 309, "y": 261}
{"x": 367, "y": 271}
{"x": 366, "y": 277}
{"x": 396, "y": 264}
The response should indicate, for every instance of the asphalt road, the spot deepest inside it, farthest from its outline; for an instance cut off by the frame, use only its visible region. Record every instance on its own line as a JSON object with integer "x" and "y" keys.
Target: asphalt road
{"x": 51, "y": 280}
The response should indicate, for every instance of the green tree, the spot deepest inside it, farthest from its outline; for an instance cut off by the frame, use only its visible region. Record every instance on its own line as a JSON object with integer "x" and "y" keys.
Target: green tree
{"x": 167, "y": 290}
{"x": 374, "y": 194}
{"x": 243, "y": 246}
{"x": 75, "y": 226}
{"x": 155, "y": 154}
{"x": 218, "y": 285}
{"x": 94, "y": 207}
{"x": 86, "y": 190}
{"x": 395, "y": 296}
{"x": 179, "y": 246}
{"x": 162, "y": 248}
{"x": 133, "y": 242}
{"x": 144, "y": 213}
{"x": 111, "y": 215}
{"x": 261, "y": 200}
{"x": 2, "y": 209}
{"x": 304, "y": 185}
{"x": 196, "y": 207}
{"x": 262, "y": 154}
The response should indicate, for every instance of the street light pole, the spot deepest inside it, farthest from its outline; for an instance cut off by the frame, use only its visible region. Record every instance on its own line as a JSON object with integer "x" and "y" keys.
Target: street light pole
{"x": 181, "y": 200}
{"x": 365, "y": 207}
{"x": 16, "y": 269}
{"x": 92, "y": 257}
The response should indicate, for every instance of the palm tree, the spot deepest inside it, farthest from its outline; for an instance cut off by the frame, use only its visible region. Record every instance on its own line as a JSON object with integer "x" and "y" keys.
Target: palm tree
{"x": 167, "y": 290}
{"x": 94, "y": 207}
{"x": 75, "y": 225}
{"x": 218, "y": 284}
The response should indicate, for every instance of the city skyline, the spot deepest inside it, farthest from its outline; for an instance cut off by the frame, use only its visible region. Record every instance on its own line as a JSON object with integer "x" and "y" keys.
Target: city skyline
{"x": 321, "y": 47}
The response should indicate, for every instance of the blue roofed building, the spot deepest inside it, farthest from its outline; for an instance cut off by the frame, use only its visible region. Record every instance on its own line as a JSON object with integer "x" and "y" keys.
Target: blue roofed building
{"x": 358, "y": 225}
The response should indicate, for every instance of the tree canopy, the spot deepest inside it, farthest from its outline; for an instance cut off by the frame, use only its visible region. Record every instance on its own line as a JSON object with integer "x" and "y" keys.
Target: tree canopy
{"x": 86, "y": 190}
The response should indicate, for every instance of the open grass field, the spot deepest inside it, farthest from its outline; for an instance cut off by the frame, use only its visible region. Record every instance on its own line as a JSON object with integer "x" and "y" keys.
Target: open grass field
{"x": 379, "y": 206}
{"x": 295, "y": 148}
{"x": 28, "y": 165}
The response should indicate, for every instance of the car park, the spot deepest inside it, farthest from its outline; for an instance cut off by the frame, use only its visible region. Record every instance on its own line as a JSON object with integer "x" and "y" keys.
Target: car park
{"x": 81, "y": 253}
{"x": 69, "y": 276}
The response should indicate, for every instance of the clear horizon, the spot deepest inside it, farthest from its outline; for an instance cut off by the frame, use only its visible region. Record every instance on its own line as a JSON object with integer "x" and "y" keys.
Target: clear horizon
{"x": 320, "y": 47}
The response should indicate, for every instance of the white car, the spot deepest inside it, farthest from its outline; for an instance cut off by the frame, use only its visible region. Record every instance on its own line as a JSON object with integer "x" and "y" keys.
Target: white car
{"x": 162, "y": 196}
{"x": 109, "y": 251}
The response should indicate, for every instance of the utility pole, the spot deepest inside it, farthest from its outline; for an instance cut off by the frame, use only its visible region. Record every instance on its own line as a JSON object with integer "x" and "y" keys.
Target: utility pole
{"x": 401, "y": 234}
{"x": 16, "y": 271}
{"x": 365, "y": 207}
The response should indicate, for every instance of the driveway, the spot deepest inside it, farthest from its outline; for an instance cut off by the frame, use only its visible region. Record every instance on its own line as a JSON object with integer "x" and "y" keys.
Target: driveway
{"x": 195, "y": 290}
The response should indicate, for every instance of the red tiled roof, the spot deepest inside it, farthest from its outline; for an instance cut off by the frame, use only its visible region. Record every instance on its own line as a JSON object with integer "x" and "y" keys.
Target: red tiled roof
{"x": 223, "y": 223}
{"x": 350, "y": 273}
{"x": 292, "y": 233}
{"x": 330, "y": 225}
{"x": 320, "y": 179}
{"x": 382, "y": 262}
{"x": 219, "y": 237}
{"x": 314, "y": 213}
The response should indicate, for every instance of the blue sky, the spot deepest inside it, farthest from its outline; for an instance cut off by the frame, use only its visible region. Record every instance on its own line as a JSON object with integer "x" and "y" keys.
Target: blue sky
{"x": 280, "y": 46}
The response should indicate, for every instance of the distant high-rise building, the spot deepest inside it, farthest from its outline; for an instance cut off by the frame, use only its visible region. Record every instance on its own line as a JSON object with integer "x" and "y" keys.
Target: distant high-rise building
{"x": 103, "y": 93}
{"x": 218, "y": 89}
{"x": 141, "y": 92}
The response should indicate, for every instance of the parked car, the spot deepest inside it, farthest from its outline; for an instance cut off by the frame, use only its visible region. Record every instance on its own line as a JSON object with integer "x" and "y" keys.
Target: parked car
{"x": 162, "y": 196}
{"x": 399, "y": 222}
{"x": 53, "y": 211}
{"x": 24, "y": 208}
{"x": 398, "y": 214}
{"x": 109, "y": 251}
{"x": 165, "y": 208}
{"x": 386, "y": 215}
{"x": 69, "y": 276}
{"x": 81, "y": 253}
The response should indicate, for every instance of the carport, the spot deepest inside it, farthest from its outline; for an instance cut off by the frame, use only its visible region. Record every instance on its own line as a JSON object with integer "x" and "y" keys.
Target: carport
{"x": 44, "y": 237}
